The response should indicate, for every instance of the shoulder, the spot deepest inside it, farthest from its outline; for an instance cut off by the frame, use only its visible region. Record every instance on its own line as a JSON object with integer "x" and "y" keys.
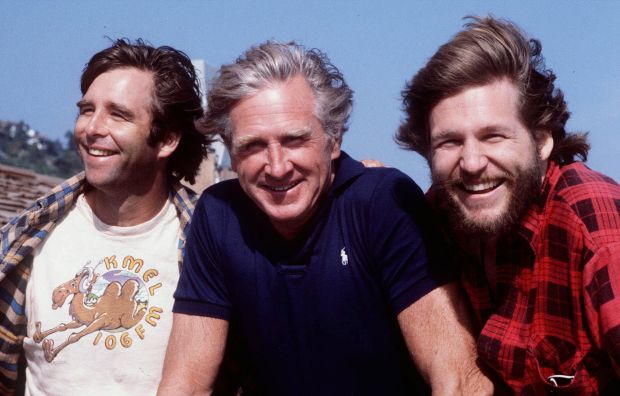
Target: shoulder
{"x": 576, "y": 183}
{"x": 589, "y": 198}
{"x": 50, "y": 207}
{"x": 383, "y": 184}
{"x": 224, "y": 200}
{"x": 23, "y": 233}
{"x": 225, "y": 193}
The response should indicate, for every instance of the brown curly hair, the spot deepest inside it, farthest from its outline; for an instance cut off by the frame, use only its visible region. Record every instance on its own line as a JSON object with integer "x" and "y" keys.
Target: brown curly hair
{"x": 489, "y": 49}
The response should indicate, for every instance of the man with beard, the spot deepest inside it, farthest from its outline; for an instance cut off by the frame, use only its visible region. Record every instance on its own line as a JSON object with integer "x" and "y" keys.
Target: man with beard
{"x": 538, "y": 233}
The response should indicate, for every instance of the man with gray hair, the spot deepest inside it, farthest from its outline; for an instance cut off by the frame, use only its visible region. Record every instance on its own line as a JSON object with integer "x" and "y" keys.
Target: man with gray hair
{"x": 327, "y": 267}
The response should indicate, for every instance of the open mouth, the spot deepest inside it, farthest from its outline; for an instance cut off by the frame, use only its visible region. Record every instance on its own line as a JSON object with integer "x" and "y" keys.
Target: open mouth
{"x": 280, "y": 189}
{"x": 481, "y": 188}
{"x": 95, "y": 152}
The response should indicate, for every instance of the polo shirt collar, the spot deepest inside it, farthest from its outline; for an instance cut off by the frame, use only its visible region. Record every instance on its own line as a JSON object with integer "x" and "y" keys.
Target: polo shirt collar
{"x": 347, "y": 169}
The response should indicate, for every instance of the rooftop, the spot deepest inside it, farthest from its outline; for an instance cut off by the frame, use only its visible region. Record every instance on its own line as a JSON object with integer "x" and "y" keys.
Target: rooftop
{"x": 19, "y": 188}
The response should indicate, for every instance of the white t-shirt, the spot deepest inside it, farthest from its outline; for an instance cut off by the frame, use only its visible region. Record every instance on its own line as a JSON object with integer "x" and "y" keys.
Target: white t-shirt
{"x": 105, "y": 330}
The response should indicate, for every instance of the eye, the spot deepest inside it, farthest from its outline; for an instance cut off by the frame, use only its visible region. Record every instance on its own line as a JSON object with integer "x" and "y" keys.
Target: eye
{"x": 494, "y": 137}
{"x": 84, "y": 110}
{"x": 294, "y": 141}
{"x": 119, "y": 115}
{"x": 249, "y": 148}
{"x": 446, "y": 144}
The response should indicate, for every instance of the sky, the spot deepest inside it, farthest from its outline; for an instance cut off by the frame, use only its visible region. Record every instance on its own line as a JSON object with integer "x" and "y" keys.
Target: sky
{"x": 377, "y": 45}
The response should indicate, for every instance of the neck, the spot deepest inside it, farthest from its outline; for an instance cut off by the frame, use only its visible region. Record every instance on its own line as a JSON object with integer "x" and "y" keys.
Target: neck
{"x": 488, "y": 257}
{"x": 124, "y": 208}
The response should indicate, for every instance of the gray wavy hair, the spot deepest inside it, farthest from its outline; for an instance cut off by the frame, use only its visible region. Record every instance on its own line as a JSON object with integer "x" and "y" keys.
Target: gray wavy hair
{"x": 269, "y": 63}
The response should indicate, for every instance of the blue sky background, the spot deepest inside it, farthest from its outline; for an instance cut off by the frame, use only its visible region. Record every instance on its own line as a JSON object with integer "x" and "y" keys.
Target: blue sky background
{"x": 378, "y": 45}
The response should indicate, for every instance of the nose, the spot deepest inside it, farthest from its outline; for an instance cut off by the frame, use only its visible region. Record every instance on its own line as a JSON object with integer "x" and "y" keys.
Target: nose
{"x": 94, "y": 125}
{"x": 278, "y": 164}
{"x": 473, "y": 158}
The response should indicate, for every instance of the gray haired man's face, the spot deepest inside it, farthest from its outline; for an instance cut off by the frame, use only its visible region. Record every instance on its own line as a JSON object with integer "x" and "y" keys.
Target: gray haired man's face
{"x": 282, "y": 154}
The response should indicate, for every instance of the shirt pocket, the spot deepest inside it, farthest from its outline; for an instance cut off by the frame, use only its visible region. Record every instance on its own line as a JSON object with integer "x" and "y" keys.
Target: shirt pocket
{"x": 558, "y": 364}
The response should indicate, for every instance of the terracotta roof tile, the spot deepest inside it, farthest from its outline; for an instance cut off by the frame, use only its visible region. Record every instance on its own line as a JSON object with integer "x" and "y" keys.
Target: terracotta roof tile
{"x": 19, "y": 188}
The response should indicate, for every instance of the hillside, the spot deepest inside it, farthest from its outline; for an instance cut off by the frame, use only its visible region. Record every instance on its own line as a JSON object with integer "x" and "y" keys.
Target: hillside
{"x": 23, "y": 147}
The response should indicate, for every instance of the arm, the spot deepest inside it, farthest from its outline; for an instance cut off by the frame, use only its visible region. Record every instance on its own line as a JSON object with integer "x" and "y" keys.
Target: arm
{"x": 194, "y": 354}
{"x": 437, "y": 332}
{"x": 601, "y": 288}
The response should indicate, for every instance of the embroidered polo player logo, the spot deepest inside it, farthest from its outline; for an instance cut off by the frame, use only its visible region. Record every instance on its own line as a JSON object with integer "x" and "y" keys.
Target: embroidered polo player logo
{"x": 343, "y": 257}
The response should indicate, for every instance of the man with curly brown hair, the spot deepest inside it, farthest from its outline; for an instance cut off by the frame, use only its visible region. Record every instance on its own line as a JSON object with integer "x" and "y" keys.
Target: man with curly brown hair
{"x": 537, "y": 232}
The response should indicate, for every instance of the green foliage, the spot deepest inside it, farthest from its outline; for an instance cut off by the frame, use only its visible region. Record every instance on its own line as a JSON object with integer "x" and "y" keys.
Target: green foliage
{"x": 23, "y": 147}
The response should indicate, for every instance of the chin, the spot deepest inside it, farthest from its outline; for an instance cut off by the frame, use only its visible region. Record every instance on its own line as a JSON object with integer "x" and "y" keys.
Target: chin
{"x": 105, "y": 181}
{"x": 282, "y": 217}
{"x": 487, "y": 223}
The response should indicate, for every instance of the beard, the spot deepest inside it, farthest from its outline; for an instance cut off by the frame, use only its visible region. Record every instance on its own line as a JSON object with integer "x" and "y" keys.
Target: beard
{"x": 523, "y": 188}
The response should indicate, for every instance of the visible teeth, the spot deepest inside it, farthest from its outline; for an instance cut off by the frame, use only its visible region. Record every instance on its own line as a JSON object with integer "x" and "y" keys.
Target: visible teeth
{"x": 98, "y": 152}
{"x": 481, "y": 186}
{"x": 281, "y": 188}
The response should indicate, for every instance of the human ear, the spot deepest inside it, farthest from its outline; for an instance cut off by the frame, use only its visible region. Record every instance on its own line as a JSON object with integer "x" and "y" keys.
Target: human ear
{"x": 335, "y": 149}
{"x": 545, "y": 145}
{"x": 169, "y": 143}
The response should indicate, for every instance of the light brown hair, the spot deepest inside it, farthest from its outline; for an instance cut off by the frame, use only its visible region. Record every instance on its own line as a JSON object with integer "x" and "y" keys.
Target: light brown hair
{"x": 486, "y": 50}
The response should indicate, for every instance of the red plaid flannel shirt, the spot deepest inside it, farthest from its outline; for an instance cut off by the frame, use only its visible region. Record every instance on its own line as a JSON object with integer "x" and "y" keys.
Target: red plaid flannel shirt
{"x": 556, "y": 306}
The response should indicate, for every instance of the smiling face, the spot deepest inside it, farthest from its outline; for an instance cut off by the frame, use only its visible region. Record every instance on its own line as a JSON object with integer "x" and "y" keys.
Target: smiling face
{"x": 281, "y": 153}
{"x": 111, "y": 132}
{"x": 483, "y": 159}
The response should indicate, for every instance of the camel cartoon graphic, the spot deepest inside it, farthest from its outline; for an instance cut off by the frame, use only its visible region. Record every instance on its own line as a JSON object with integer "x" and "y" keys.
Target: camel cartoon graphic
{"x": 114, "y": 306}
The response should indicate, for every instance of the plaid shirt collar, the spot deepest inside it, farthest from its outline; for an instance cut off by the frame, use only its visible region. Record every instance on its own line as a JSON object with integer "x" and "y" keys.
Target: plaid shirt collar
{"x": 529, "y": 226}
{"x": 45, "y": 212}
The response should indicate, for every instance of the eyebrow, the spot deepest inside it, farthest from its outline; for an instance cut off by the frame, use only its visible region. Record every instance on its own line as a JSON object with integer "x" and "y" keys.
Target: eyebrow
{"x": 297, "y": 133}
{"x": 497, "y": 128}
{"x": 243, "y": 141}
{"x": 444, "y": 134}
{"x": 127, "y": 113}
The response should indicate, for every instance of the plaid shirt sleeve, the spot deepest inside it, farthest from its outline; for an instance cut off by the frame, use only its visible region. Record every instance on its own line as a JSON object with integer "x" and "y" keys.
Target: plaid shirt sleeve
{"x": 601, "y": 274}
{"x": 18, "y": 238}
{"x": 184, "y": 200}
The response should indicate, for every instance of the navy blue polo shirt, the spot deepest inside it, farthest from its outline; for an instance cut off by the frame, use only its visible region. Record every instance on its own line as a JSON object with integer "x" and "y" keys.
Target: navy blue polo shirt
{"x": 318, "y": 313}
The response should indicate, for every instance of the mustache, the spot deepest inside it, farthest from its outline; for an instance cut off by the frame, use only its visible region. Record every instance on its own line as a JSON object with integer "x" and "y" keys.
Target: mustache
{"x": 459, "y": 181}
